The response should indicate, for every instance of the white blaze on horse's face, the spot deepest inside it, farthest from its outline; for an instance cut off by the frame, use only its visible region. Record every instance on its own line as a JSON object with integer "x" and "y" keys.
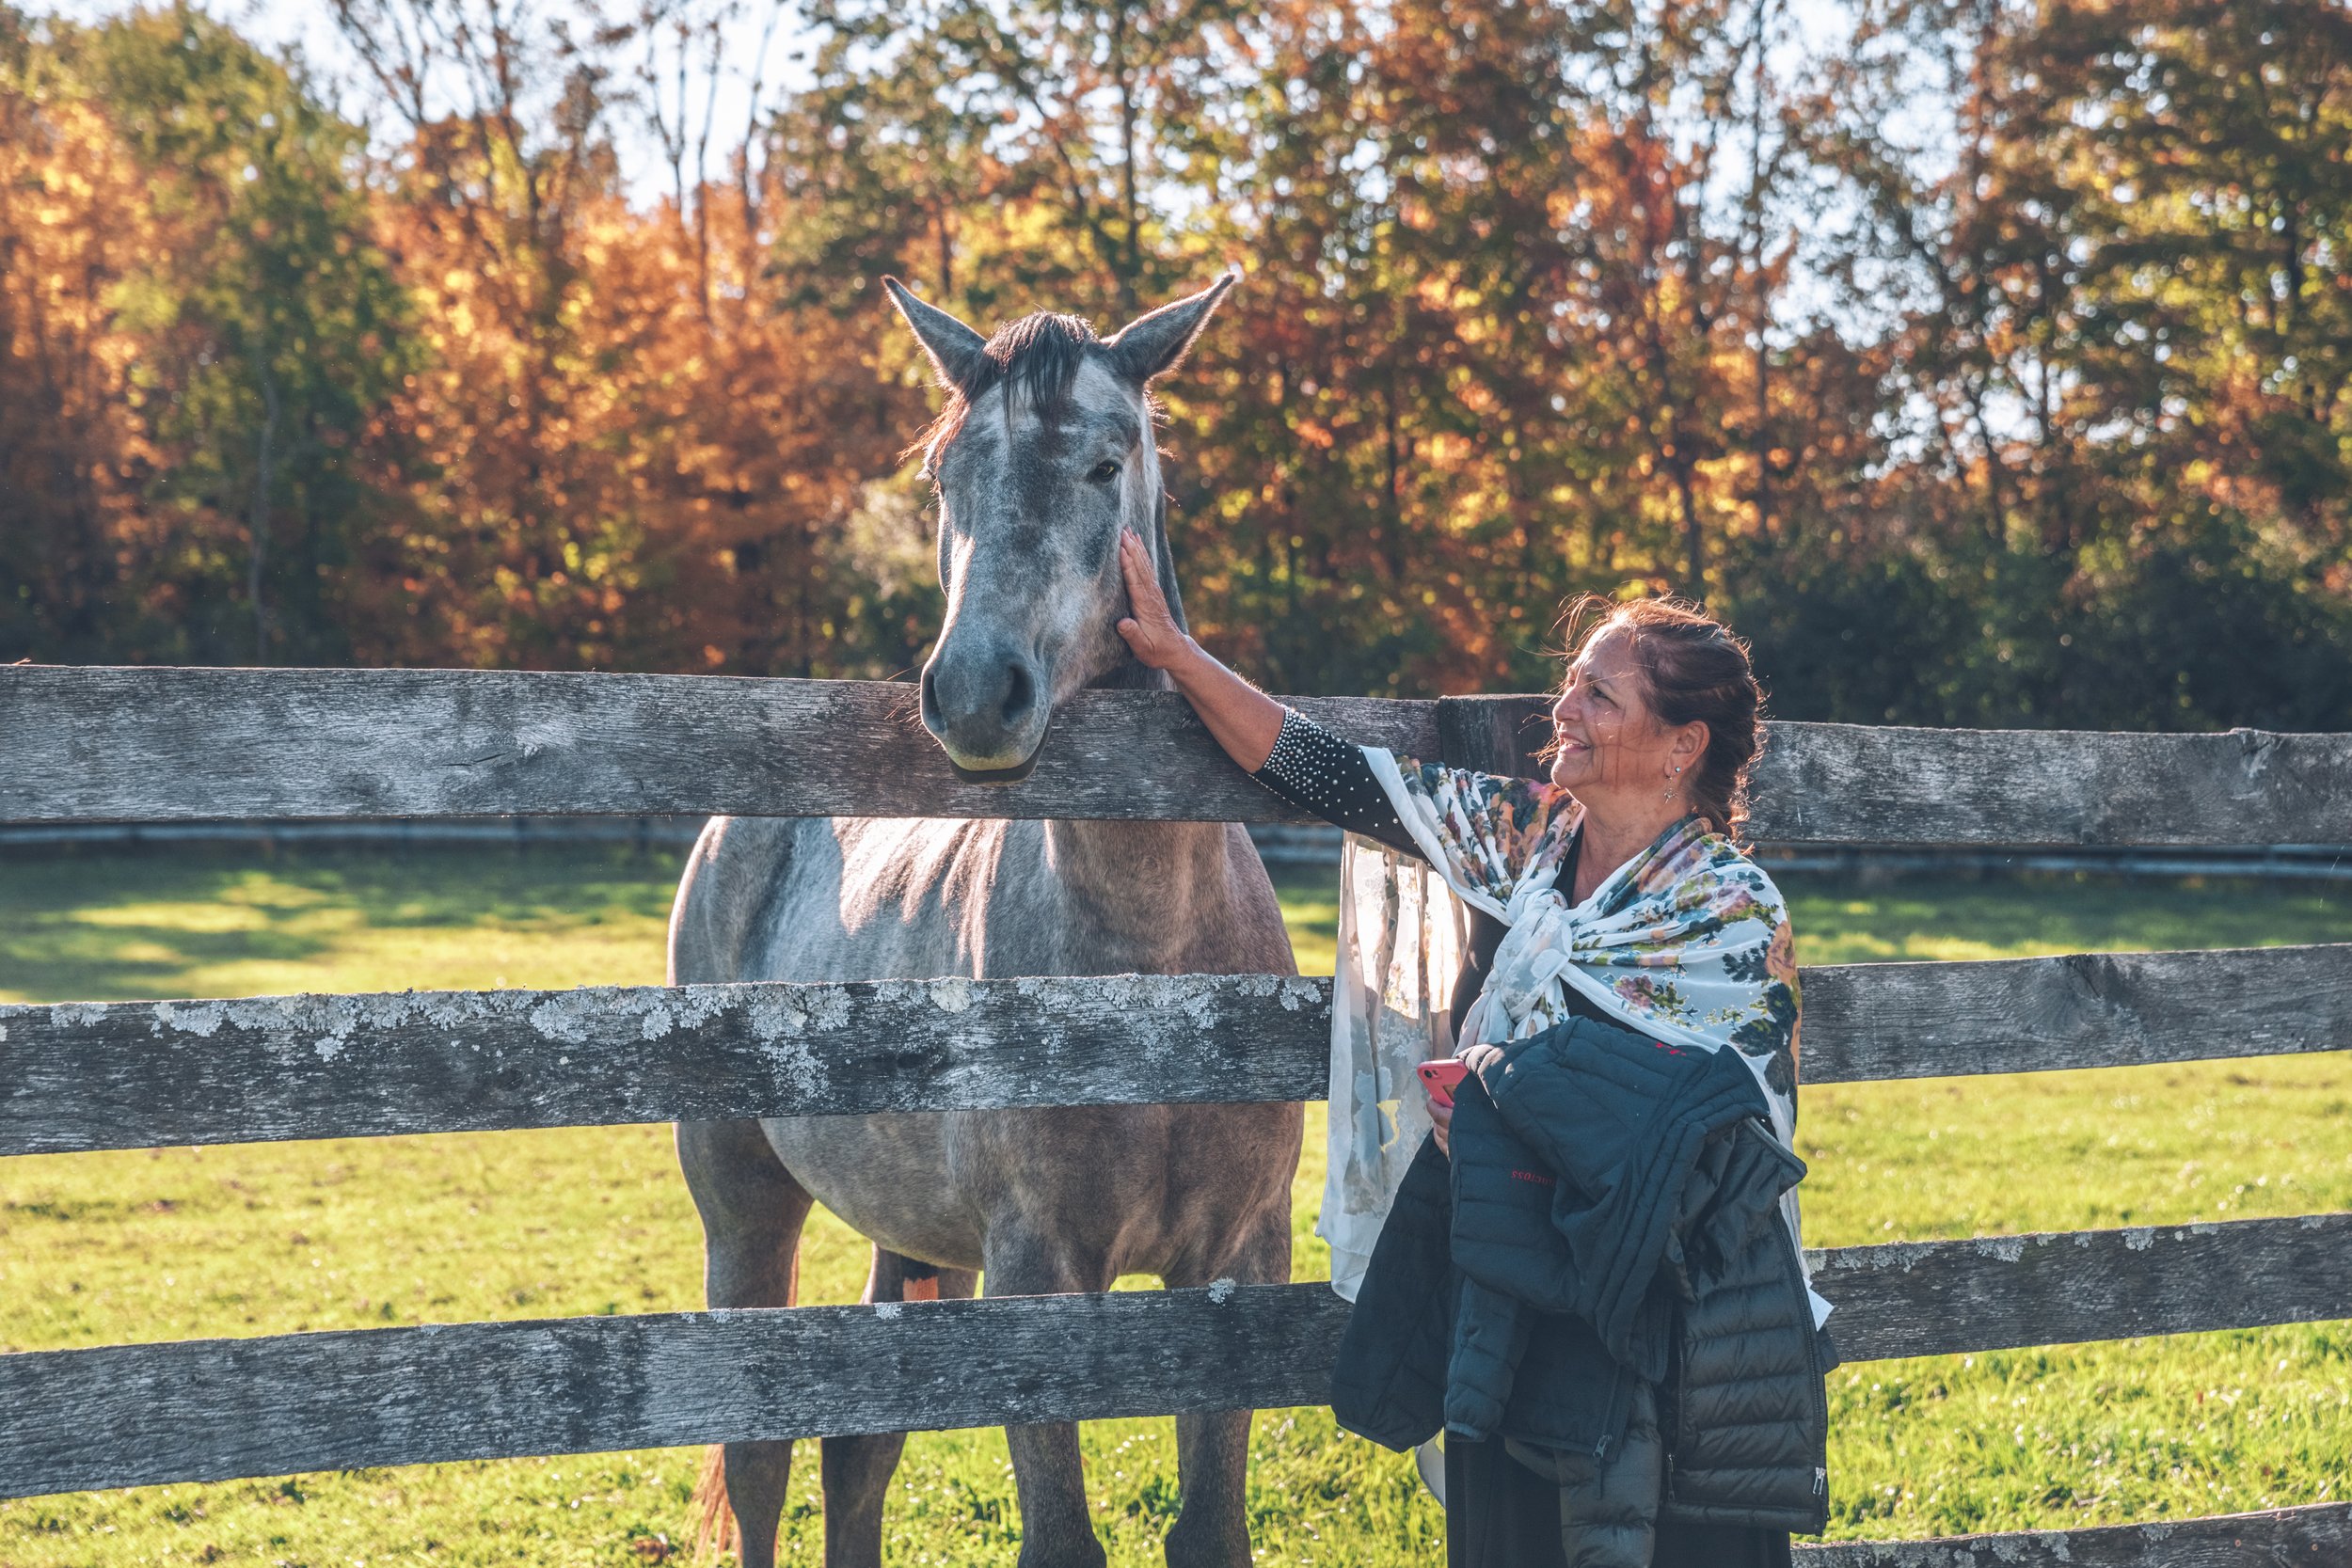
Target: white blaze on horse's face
{"x": 1043, "y": 456}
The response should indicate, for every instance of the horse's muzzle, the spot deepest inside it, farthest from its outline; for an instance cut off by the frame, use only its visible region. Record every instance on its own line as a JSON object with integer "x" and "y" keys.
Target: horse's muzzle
{"x": 985, "y": 708}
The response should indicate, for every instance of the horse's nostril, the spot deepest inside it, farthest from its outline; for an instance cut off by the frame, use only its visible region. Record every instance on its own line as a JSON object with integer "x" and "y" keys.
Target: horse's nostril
{"x": 1019, "y": 694}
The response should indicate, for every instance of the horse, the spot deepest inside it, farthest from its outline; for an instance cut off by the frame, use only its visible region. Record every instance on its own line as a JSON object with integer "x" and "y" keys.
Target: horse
{"x": 1043, "y": 452}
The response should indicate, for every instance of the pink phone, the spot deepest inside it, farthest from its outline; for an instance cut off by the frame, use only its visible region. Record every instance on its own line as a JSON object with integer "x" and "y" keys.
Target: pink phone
{"x": 1441, "y": 1076}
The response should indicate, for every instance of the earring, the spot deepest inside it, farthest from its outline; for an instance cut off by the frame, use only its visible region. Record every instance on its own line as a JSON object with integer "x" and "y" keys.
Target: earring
{"x": 1668, "y": 793}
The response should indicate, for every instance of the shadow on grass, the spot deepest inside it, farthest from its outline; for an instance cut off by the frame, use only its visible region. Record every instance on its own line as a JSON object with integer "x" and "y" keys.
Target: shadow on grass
{"x": 140, "y": 925}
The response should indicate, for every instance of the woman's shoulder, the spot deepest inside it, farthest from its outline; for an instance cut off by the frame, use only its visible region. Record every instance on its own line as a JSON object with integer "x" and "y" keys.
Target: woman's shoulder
{"x": 1710, "y": 869}
{"x": 1733, "y": 860}
{"x": 1739, "y": 892}
{"x": 1703, "y": 852}
{"x": 1489, "y": 833}
{"x": 1496, "y": 808}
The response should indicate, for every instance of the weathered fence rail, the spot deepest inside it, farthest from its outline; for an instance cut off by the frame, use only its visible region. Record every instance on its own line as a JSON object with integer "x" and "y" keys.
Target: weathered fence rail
{"x": 219, "y": 1409}
{"x": 83, "y": 1075}
{"x": 175, "y": 745}
{"x": 2315, "y": 1535}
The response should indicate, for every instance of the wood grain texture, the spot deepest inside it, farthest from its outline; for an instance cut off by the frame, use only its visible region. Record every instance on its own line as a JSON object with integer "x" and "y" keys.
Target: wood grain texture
{"x": 103, "y": 744}
{"x": 213, "y": 1409}
{"x": 1866, "y": 1022}
{"x": 82, "y": 1076}
{"x": 1857, "y": 783}
{"x": 133, "y": 1075}
{"x": 216, "y": 1409}
{"x": 1996, "y": 1293}
{"x": 2319, "y": 1536}
{"x": 97, "y": 744}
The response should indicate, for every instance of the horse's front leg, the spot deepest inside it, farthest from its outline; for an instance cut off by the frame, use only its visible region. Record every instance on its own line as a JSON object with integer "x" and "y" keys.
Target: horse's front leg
{"x": 1056, "y": 1531}
{"x": 1211, "y": 1528}
{"x": 857, "y": 1470}
{"x": 751, "y": 1211}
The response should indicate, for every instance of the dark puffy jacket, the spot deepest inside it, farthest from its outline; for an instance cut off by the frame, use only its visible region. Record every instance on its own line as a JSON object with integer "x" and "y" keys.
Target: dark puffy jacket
{"x": 1389, "y": 1381}
{"x": 1599, "y": 1230}
{"x": 1744, "y": 1412}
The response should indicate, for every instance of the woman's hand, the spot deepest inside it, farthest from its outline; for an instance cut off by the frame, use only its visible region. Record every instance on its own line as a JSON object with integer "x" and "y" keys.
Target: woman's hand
{"x": 1478, "y": 1058}
{"x": 1150, "y": 630}
{"x": 1245, "y": 722}
{"x": 1440, "y": 1117}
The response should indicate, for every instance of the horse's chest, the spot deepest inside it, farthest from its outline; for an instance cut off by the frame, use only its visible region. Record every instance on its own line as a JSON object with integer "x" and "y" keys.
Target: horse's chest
{"x": 928, "y": 900}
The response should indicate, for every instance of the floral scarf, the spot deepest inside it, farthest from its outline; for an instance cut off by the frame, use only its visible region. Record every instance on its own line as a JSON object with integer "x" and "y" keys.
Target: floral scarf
{"x": 1688, "y": 942}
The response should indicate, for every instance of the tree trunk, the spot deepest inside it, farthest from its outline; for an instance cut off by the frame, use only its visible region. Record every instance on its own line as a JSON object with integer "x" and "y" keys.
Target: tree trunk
{"x": 1694, "y": 542}
{"x": 257, "y": 526}
{"x": 1131, "y": 265}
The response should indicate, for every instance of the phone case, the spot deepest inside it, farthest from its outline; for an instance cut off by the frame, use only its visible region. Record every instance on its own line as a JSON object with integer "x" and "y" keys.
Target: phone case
{"x": 1441, "y": 1076}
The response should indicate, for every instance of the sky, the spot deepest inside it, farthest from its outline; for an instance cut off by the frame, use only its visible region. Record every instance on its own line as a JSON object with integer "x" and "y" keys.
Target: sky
{"x": 309, "y": 26}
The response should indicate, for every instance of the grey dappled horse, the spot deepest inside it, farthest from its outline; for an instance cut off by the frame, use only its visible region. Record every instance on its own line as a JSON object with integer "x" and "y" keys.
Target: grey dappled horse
{"x": 1045, "y": 451}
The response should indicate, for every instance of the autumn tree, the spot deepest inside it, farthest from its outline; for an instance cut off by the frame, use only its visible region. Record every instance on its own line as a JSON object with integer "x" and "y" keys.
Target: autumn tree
{"x": 271, "y": 330}
{"x": 1983, "y": 360}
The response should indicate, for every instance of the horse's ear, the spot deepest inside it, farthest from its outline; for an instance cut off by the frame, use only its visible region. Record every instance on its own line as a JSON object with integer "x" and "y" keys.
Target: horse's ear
{"x": 956, "y": 351}
{"x": 1152, "y": 345}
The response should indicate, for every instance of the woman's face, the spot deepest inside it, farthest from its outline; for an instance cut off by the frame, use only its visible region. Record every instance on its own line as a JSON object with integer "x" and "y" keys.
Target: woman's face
{"x": 1611, "y": 750}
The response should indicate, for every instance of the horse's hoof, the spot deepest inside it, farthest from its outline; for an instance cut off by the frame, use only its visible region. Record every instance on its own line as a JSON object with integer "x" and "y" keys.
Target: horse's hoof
{"x": 1204, "y": 1549}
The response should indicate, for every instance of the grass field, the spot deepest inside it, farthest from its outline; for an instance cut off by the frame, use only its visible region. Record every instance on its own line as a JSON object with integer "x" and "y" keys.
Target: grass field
{"x": 274, "y": 1238}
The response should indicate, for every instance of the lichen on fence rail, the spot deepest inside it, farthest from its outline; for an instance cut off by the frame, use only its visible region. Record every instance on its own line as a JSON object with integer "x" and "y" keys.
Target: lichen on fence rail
{"x": 79, "y": 1076}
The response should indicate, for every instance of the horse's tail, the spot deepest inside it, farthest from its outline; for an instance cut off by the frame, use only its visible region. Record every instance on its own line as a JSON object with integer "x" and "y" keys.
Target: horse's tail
{"x": 714, "y": 1515}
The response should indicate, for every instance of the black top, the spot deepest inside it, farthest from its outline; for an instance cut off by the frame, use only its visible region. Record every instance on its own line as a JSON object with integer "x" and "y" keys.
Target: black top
{"x": 1315, "y": 771}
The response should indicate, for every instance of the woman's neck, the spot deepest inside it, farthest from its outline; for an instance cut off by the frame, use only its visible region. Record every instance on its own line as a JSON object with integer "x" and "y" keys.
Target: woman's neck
{"x": 1609, "y": 839}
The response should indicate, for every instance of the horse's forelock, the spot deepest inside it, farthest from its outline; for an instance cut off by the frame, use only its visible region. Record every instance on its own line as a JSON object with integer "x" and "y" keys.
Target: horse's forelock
{"x": 1036, "y": 359}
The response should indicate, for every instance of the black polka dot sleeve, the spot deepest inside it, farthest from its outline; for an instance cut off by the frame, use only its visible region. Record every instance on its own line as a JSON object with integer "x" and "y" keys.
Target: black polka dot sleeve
{"x": 1317, "y": 771}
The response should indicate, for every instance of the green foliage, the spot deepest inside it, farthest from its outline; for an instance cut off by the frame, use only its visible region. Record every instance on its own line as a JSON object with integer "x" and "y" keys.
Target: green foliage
{"x": 2125, "y": 360}
{"x": 272, "y": 330}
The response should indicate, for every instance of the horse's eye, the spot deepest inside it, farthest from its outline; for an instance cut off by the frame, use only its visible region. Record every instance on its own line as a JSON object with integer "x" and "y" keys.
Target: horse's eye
{"x": 1104, "y": 472}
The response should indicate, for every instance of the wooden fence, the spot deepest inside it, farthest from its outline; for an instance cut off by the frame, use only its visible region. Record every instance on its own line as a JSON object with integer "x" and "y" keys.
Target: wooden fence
{"x": 172, "y": 745}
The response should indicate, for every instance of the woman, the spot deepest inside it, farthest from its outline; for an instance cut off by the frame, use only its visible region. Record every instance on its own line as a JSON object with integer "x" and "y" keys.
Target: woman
{"x": 1614, "y": 892}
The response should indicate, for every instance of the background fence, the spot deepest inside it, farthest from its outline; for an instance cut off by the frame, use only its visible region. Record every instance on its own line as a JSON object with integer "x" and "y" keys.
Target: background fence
{"x": 1278, "y": 842}
{"x": 190, "y": 745}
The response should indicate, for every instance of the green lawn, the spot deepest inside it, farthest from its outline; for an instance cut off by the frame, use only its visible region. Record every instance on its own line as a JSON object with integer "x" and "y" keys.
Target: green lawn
{"x": 274, "y": 1238}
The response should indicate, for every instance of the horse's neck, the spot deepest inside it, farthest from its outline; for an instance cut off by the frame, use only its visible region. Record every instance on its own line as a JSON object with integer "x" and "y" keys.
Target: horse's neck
{"x": 1145, "y": 881}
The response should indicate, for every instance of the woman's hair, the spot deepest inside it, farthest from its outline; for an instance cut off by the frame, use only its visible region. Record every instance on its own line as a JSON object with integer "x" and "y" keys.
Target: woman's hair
{"x": 1693, "y": 669}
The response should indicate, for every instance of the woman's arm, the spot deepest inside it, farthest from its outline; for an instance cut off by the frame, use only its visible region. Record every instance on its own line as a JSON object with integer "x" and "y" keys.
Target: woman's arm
{"x": 1245, "y": 720}
{"x": 1321, "y": 772}
{"x": 1305, "y": 763}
